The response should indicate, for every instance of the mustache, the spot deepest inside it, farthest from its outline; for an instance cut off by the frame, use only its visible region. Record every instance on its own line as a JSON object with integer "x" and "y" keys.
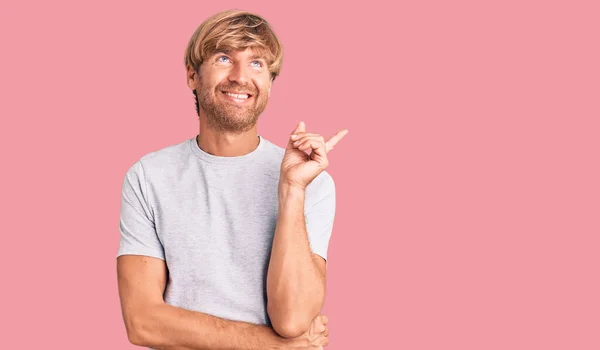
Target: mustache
{"x": 237, "y": 88}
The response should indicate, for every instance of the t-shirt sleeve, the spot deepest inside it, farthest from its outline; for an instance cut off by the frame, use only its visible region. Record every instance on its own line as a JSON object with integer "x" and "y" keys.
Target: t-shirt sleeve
{"x": 320, "y": 213}
{"x": 138, "y": 232}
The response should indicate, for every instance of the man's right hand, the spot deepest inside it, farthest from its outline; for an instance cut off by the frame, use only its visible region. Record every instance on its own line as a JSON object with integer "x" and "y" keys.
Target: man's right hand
{"x": 316, "y": 338}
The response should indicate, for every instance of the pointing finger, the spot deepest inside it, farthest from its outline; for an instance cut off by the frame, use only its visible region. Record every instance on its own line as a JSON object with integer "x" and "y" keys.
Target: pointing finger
{"x": 335, "y": 139}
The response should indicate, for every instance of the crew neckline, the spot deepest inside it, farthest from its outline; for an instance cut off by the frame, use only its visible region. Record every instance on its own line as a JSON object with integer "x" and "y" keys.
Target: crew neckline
{"x": 226, "y": 160}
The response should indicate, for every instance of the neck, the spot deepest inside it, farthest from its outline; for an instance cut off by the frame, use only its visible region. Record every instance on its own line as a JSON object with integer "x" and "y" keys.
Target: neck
{"x": 224, "y": 144}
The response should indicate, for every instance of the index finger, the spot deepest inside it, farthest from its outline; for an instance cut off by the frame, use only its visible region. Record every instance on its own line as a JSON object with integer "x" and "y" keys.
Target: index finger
{"x": 335, "y": 139}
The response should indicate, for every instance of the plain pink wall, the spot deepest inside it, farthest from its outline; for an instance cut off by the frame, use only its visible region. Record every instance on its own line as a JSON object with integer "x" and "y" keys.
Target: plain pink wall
{"x": 468, "y": 186}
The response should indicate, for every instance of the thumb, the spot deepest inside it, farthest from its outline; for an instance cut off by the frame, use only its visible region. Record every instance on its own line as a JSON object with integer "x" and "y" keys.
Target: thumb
{"x": 300, "y": 128}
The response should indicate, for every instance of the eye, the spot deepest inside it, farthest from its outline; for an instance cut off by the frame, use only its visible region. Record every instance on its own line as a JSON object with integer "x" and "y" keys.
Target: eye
{"x": 222, "y": 59}
{"x": 257, "y": 64}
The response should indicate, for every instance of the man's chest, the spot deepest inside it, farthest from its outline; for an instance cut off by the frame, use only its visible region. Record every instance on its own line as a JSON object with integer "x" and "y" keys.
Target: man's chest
{"x": 217, "y": 226}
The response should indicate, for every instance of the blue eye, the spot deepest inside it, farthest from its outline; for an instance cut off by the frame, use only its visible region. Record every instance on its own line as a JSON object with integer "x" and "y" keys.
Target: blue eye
{"x": 220, "y": 57}
{"x": 258, "y": 63}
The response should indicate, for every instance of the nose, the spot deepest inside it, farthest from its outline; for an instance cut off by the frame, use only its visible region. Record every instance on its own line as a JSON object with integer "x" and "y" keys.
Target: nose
{"x": 239, "y": 73}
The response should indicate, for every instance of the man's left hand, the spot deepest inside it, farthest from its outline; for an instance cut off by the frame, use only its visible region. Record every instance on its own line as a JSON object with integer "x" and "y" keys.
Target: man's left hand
{"x": 298, "y": 167}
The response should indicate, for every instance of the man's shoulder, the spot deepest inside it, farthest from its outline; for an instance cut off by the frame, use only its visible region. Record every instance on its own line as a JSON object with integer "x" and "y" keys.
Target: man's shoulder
{"x": 163, "y": 157}
{"x": 174, "y": 151}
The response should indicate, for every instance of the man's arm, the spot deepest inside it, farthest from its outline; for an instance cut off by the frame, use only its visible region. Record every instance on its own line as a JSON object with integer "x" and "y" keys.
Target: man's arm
{"x": 152, "y": 323}
{"x": 296, "y": 276}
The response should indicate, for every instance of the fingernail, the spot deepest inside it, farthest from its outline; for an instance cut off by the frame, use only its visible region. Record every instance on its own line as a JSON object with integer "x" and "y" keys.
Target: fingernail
{"x": 294, "y": 136}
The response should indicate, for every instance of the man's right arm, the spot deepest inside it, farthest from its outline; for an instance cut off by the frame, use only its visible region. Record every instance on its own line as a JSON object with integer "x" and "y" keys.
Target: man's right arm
{"x": 152, "y": 323}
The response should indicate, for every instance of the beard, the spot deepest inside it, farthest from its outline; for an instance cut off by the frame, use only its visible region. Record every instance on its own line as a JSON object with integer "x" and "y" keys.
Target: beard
{"x": 229, "y": 117}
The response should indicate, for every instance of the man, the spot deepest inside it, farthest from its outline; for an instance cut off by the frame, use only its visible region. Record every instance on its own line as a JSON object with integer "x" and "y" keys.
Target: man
{"x": 224, "y": 236}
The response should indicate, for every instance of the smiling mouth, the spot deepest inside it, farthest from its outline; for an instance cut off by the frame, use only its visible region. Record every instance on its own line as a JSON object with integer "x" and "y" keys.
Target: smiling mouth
{"x": 240, "y": 97}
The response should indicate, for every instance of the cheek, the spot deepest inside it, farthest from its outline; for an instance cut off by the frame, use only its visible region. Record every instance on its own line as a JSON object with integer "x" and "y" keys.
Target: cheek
{"x": 264, "y": 87}
{"x": 210, "y": 79}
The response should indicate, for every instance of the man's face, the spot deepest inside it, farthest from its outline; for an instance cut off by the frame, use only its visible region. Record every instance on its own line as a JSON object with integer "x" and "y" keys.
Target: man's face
{"x": 233, "y": 89}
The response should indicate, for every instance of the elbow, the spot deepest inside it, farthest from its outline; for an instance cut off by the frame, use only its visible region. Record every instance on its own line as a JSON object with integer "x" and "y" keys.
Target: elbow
{"x": 133, "y": 335}
{"x": 135, "y": 330}
{"x": 288, "y": 327}
{"x": 135, "y": 339}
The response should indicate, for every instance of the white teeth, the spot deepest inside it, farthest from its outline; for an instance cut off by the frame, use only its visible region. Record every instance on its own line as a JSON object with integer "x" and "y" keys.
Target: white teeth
{"x": 243, "y": 96}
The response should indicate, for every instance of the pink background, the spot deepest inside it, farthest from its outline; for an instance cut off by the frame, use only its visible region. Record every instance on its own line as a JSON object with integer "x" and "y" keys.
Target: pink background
{"x": 468, "y": 186}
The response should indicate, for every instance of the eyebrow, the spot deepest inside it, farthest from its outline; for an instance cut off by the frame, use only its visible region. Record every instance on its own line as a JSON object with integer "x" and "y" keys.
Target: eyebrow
{"x": 257, "y": 57}
{"x": 219, "y": 52}
{"x": 228, "y": 53}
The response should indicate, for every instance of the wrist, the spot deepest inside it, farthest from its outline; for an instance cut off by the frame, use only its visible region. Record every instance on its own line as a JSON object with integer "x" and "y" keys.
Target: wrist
{"x": 286, "y": 189}
{"x": 290, "y": 343}
{"x": 290, "y": 199}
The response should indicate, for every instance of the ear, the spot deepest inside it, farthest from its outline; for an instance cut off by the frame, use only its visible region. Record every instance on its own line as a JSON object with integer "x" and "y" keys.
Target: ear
{"x": 269, "y": 91}
{"x": 192, "y": 77}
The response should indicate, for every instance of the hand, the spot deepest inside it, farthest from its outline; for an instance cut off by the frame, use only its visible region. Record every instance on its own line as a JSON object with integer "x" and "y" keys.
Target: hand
{"x": 315, "y": 338}
{"x": 299, "y": 168}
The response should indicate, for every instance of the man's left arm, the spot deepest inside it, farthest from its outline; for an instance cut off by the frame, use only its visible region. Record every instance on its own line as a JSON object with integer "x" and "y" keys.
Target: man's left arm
{"x": 296, "y": 275}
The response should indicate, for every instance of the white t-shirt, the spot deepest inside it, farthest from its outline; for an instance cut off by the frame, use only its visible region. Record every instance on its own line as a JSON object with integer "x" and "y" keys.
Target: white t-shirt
{"x": 212, "y": 219}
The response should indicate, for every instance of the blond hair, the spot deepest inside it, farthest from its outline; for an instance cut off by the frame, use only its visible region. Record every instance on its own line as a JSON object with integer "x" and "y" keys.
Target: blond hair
{"x": 234, "y": 30}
